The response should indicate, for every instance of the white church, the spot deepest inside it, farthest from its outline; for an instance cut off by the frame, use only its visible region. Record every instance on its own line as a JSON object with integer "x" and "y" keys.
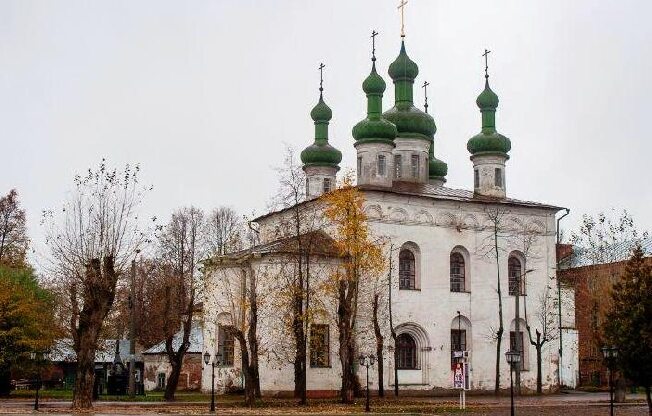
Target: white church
{"x": 445, "y": 276}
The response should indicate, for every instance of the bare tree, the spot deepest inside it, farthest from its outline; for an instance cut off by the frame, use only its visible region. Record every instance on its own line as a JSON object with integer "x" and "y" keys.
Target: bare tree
{"x": 546, "y": 330}
{"x": 91, "y": 242}
{"x": 182, "y": 245}
{"x": 496, "y": 217}
{"x": 236, "y": 292}
{"x": 224, "y": 231}
{"x": 299, "y": 222}
{"x": 13, "y": 236}
{"x": 606, "y": 238}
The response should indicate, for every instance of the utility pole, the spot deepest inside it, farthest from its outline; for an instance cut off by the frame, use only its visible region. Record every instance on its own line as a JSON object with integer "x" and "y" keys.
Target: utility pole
{"x": 132, "y": 329}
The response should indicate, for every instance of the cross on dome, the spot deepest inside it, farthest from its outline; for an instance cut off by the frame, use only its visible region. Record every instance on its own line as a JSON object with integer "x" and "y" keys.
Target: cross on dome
{"x": 401, "y": 7}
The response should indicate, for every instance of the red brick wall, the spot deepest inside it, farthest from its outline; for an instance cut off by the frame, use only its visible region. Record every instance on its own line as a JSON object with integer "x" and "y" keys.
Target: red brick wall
{"x": 593, "y": 285}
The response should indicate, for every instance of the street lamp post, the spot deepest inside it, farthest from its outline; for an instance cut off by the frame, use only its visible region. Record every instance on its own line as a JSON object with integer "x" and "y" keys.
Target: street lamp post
{"x": 610, "y": 354}
{"x": 367, "y": 361}
{"x": 513, "y": 359}
{"x": 214, "y": 363}
{"x": 35, "y": 356}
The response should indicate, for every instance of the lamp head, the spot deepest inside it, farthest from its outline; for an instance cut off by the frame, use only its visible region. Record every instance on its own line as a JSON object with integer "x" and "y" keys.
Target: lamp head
{"x": 207, "y": 358}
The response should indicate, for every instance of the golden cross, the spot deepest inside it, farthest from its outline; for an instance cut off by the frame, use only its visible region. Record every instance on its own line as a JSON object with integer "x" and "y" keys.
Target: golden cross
{"x": 401, "y": 7}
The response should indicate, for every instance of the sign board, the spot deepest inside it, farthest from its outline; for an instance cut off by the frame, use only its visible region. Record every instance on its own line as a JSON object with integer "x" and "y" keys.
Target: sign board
{"x": 459, "y": 376}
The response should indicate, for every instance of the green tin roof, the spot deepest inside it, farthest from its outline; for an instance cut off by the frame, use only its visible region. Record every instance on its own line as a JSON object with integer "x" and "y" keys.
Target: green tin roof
{"x": 488, "y": 140}
{"x": 374, "y": 128}
{"x": 409, "y": 120}
{"x": 437, "y": 169}
{"x": 320, "y": 153}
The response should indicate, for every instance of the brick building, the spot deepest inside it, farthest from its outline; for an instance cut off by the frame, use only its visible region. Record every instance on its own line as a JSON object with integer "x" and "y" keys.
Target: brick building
{"x": 593, "y": 284}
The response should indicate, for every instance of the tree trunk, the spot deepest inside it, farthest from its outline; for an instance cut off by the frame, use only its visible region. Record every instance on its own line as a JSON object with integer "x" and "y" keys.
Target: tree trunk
{"x": 539, "y": 379}
{"x": 99, "y": 293}
{"x": 346, "y": 360}
{"x": 379, "y": 347}
{"x": 251, "y": 336}
{"x": 649, "y": 400}
{"x": 5, "y": 380}
{"x": 499, "y": 333}
{"x": 499, "y": 337}
{"x": 299, "y": 352}
{"x": 249, "y": 387}
{"x": 173, "y": 380}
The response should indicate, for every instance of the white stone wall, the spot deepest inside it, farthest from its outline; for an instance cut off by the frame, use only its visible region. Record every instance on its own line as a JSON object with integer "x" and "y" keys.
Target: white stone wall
{"x": 435, "y": 228}
{"x": 406, "y": 147}
{"x": 486, "y": 166}
{"x": 368, "y": 172}
{"x": 315, "y": 176}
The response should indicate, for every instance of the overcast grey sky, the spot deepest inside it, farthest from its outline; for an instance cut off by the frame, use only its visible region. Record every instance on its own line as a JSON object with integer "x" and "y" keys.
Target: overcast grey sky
{"x": 203, "y": 94}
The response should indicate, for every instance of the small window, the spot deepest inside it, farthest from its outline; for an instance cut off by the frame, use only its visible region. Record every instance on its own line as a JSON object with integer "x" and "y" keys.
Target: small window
{"x": 319, "y": 346}
{"x": 327, "y": 185}
{"x": 498, "y": 178}
{"x": 512, "y": 346}
{"x": 415, "y": 166}
{"x": 360, "y": 166}
{"x": 514, "y": 273}
{"x": 382, "y": 169}
{"x": 160, "y": 381}
{"x": 307, "y": 186}
{"x": 458, "y": 342}
{"x": 406, "y": 270}
{"x": 457, "y": 272}
{"x": 407, "y": 352}
{"x": 398, "y": 166}
{"x": 225, "y": 347}
{"x": 476, "y": 178}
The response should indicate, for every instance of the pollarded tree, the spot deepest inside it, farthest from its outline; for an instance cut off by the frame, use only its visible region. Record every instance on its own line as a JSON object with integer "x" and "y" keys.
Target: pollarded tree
{"x": 361, "y": 260}
{"x": 91, "y": 243}
{"x": 545, "y": 329}
{"x": 629, "y": 323}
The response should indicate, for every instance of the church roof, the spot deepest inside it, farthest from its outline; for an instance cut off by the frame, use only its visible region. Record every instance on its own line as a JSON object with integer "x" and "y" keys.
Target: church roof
{"x": 436, "y": 192}
{"x": 196, "y": 340}
{"x": 320, "y": 243}
{"x": 452, "y": 194}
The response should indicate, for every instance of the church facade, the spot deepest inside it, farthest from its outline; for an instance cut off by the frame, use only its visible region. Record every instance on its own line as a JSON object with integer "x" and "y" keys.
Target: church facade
{"x": 451, "y": 250}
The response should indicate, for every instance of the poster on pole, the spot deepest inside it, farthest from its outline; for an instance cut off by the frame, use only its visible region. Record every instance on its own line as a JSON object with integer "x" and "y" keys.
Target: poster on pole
{"x": 459, "y": 376}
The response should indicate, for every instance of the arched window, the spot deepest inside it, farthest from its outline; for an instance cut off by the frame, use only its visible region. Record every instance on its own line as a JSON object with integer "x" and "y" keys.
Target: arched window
{"x": 225, "y": 347}
{"x": 407, "y": 352}
{"x": 406, "y": 270}
{"x": 457, "y": 272}
{"x": 515, "y": 274}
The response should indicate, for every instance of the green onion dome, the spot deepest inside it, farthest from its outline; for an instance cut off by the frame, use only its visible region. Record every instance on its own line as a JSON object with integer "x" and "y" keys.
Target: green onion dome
{"x": 488, "y": 140}
{"x": 374, "y": 84}
{"x": 374, "y": 128}
{"x": 403, "y": 67}
{"x": 320, "y": 153}
{"x": 409, "y": 120}
{"x": 437, "y": 169}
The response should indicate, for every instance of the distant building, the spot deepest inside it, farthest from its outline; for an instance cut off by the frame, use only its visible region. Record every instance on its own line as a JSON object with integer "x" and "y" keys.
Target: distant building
{"x": 107, "y": 359}
{"x": 593, "y": 283}
{"x": 158, "y": 368}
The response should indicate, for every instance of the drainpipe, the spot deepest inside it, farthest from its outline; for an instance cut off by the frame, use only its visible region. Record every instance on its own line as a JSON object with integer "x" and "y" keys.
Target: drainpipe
{"x": 561, "y": 348}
